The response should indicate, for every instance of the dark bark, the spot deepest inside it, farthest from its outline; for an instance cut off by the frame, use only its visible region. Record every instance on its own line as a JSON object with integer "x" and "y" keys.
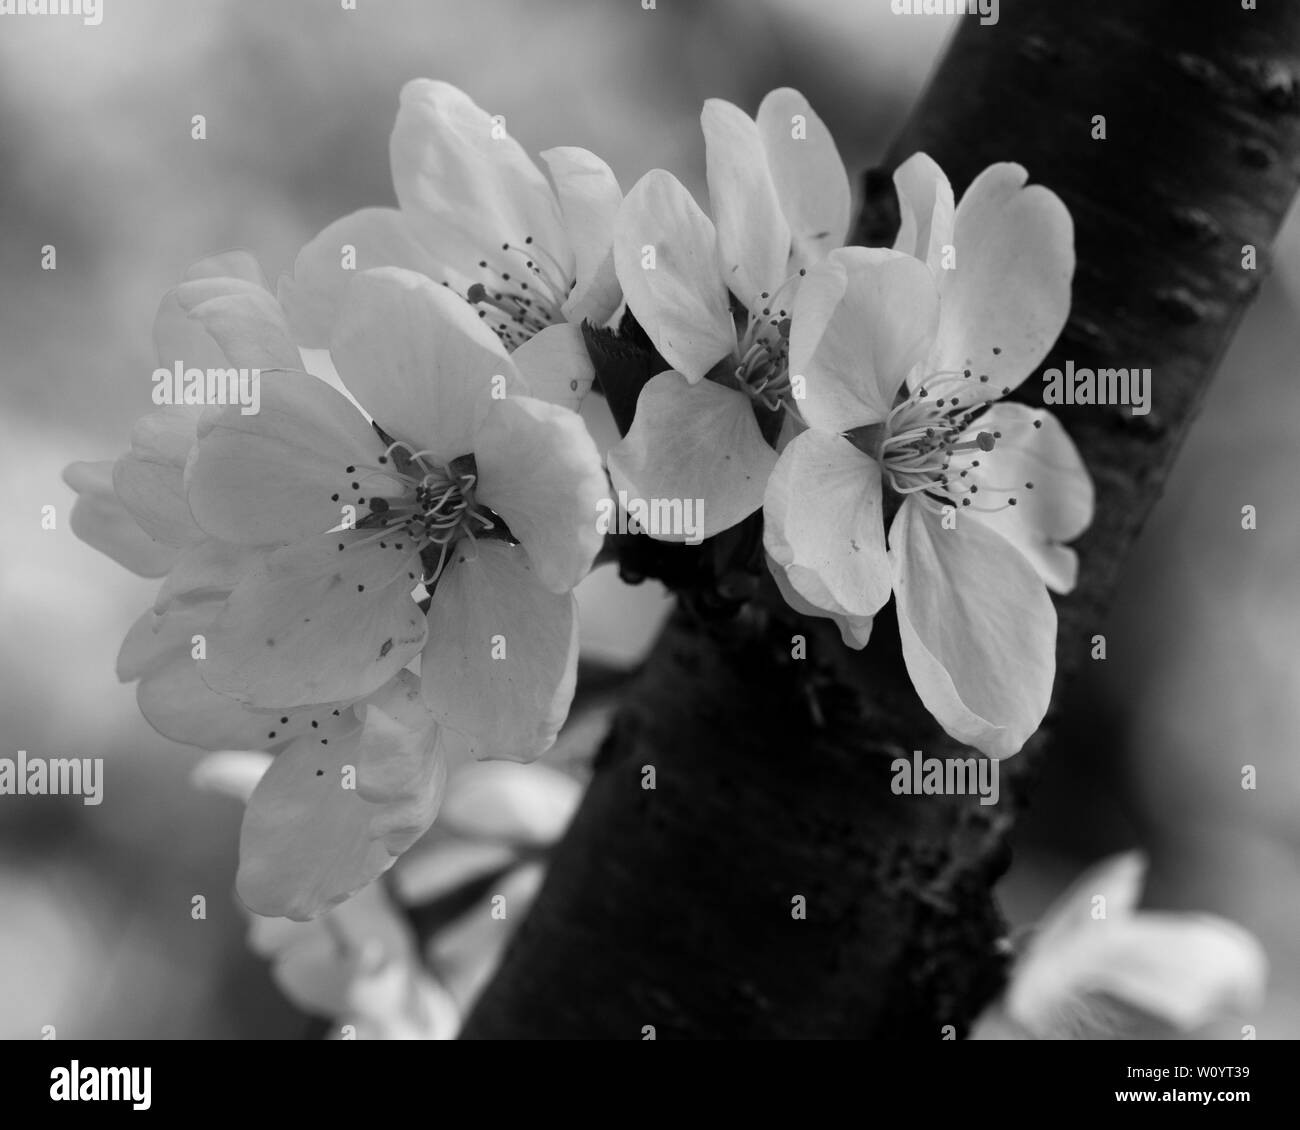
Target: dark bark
{"x": 672, "y": 907}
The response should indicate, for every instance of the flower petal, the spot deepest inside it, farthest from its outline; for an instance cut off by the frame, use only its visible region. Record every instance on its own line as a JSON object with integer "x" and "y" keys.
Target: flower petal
{"x": 824, "y": 527}
{"x": 1056, "y": 509}
{"x": 589, "y": 200}
{"x": 978, "y": 629}
{"x": 501, "y": 660}
{"x": 310, "y": 838}
{"x": 811, "y": 182}
{"x": 698, "y": 444}
{"x": 862, "y": 319}
{"x": 318, "y": 624}
{"x": 313, "y": 294}
{"x": 236, "y": 264}
{"x": 207, "y": 570}
{"x": 248, "y": 326}
{"x": 753, "y": 236}
{"x": 465, "y": 186}
{"x": 419, "y": 359}
{"x": 529, "y": 805}
{"x": 149, "y": 479}
{"x": 855, "y": 631}
{"x": 678, "y": 296}
{"x": 1008, "y": 297}
{"x": 102, "y": 522}
{"x": 231, "y": 772}
{"x": 555, "y": 365}
{"x": 1184, "y": 969}
{"x": 926, "y": 210}
{"x": 287, "y": 471}
{"x": 538, "y": 468}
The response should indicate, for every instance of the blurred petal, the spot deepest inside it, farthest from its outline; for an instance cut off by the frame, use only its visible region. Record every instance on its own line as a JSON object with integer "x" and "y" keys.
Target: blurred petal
{"x": 539, "y": 469}
{"x": 149, "y": 479}
{"x": 1057, "y": 509}
{"x": 753, "y": 236}
{"x": 313, "y": 294}
{"x": 488, "y": 603}
{"x": 249, "y": 327}
{"x": 419, "y": 359}
{"x": 1008, "y": 298}
{"x": 233, "y": 773}
{"x": 862, "y": 319}
{"x": 698, "y": 444}
{"x": 811, "y": 182}
{"x": 926, "y": 210}
{"x": 978, "y": 629}
{"x": 100, "y": 520}
{"x": 589, "y": 200}
{"x": 521, "y": 804}
{"x": 824, "y": 527}
{"x": 678, "y": 296}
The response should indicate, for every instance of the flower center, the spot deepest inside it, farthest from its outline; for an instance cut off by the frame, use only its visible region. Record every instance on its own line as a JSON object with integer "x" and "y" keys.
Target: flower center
{"x": 763, "y": 371}
{"x": 931, "y": 447}
{"x": 437, "y": 509}
{"x": 520, "y": 291}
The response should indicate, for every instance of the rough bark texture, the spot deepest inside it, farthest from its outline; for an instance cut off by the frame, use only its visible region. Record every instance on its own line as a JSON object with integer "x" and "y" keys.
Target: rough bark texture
{"x": 672, "y": 907}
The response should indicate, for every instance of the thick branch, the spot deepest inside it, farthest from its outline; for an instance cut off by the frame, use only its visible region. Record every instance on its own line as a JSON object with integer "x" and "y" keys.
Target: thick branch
{"x": 672, "y": 907}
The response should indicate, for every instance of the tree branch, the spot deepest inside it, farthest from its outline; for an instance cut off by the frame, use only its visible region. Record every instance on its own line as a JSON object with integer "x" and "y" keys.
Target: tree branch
{"x": 672, "y": 907}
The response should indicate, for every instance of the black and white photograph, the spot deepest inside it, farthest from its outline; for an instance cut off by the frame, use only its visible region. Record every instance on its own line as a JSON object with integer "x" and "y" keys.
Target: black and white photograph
{"x": 637, "y": 520}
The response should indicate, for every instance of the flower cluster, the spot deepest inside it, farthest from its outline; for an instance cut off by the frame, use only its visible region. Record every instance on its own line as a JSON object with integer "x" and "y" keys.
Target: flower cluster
{"x": 373, "y": 572}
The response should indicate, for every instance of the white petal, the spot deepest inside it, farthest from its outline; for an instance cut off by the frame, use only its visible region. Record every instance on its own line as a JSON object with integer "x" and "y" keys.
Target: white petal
{"x": 978, "y": 629}
{"x": 539, "y": 469}
{"x": 501, "y": 660}
{"x": 310, "y": 839}
{"x": 237, "y": 264}
{"x": 666, "y": 255}
{"x": 855, "y": 631}
{"x": 1057, "y": 509}
{"x": 589, "y": 200}
{"x": 824, "y": 527}
{"x": 378, "y": 237}
{"x": 698, "y": 445}
{"x": 317, "y": 624}
{"x": 149, "y": 479}
{"x": 419, "y": 359}
{"x": 283, "y": 473}
{"x": 248, "y": 326}
{"x": 1185, "y": 970}
{"x": 234, "y": 773}
{"x": 522, "y": 804}
{"x": 465, "y": 185}
{"x": 753, "y": 236}
{"x": 555, "y": 365}
{"x": 926, "y": 210}
{"x": 1010, "y": 290}
{"x": 862, "y": 319}
{"x": 102, "y": 522}
{"x": 811, "y": 182}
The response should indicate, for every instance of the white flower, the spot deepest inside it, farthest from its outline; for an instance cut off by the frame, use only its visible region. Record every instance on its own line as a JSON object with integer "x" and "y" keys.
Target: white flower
{"x": 902, "y": 365}
{"x": 781, "y": 198}
{"x": 477, "y": 215}
{"x": 465, "y": 483}
{"x": 1098, "y": 968}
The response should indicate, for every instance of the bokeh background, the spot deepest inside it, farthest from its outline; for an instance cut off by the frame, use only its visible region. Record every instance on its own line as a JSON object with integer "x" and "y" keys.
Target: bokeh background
{"x": 96, "y": 158}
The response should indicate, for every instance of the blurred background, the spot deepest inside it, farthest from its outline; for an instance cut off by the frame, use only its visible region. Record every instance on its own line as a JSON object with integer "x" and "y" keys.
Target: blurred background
{"x": 96, "y": 936}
